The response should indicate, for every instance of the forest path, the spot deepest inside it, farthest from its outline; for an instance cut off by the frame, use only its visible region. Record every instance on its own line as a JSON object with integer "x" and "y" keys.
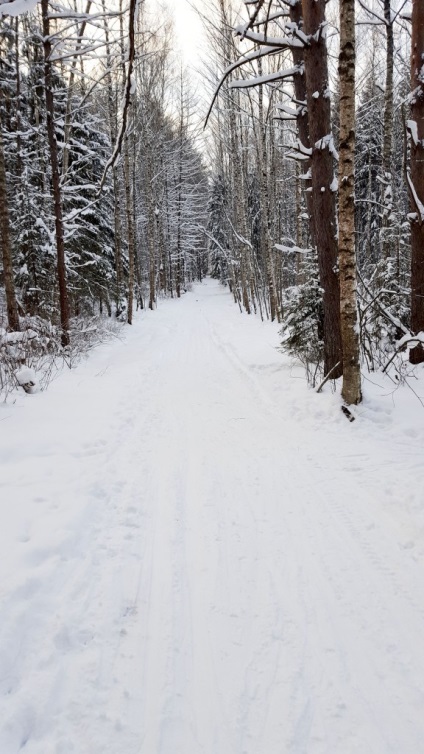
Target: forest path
{"x": 203, "y": 557}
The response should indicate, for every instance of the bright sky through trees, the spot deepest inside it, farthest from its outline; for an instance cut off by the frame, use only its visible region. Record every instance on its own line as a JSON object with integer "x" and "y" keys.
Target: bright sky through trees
{"x": 188, "y": 29}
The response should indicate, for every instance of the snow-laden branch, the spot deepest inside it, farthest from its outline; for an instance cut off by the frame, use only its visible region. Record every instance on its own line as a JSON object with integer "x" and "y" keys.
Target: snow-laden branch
{"x": 127, "y": 95}
{"x": 299, "y": 152}
{"x": 265, "y": 79}
{"x": 380, "y": 19}
{"x": 77, "y": 53}
{"x": 291, "y": 249}
{"x": 248, "y": 58}
{"x": 263, "y": 39}
{"x": 80, "y": 17}
{"x": 417, "y": 201}
{"x": 17, "y": 7}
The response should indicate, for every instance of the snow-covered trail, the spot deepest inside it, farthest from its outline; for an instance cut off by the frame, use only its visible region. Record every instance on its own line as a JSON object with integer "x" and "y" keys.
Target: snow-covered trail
{"x": 201, "y": 557}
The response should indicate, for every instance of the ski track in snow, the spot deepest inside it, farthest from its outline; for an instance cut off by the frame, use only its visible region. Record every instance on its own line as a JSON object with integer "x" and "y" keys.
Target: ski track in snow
{"x": 200, "y": 556}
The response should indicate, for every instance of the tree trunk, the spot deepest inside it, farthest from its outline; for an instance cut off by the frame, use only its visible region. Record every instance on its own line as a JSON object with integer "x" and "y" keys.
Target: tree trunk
{"x": 57, "y": 195}
{"x": 387, "y": 198}
{"x": 9, "y": 283}
{"x": 351, "y": 390}
{"x": 323, "y": 194}
{"x": 416, "y": 177}
{"x": 302, "y": 119}
{"x": 119, "y": 297}
{"x": 179, "y": 203}
{"x": 129, "y": 198}
{"x": 266, "y": 242}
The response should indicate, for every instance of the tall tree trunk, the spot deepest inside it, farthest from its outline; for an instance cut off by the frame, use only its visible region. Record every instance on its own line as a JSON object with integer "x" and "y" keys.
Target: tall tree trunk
{"x": 323, "y": 195}
{"x": 18, "y": 100}
{"x": 416, "y": 177}
{"x": 179, "y": 280}
{"x": 9, "y": 283}
{"x": 387, "y": 198}
{"x": 266, "y": 243}
{"x": 123, "y": 138}
{"x": 129, "y": 198}
{"x": 151, "y": 229}
{"x": 57, "y": 195}
{"x": 238, "y": 217}
{"x": 119, "y": 297}
{"x": 351, "y": 390}
{"x": 302, "y": 118}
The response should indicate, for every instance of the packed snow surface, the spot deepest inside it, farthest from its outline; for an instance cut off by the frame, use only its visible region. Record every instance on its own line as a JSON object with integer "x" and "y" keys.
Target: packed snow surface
{"x": 199, "y": 555}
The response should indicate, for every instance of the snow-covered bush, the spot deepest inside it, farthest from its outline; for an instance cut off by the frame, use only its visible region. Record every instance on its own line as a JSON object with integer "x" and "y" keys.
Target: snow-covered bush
{"x": 302, "y": 332}
{"x": 384, "y": 312}
{"x": 35, "y": 355}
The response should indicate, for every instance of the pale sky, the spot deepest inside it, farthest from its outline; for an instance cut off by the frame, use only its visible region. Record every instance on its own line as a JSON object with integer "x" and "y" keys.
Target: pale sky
{"x": 188, "y": 28}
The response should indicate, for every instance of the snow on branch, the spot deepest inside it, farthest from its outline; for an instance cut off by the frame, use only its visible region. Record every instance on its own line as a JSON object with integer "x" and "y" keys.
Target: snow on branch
{"x": 378, "y": 18}
{"x": 127, "y": 95}
{"x": 327, "y": 142}
{"x": 291, "y": 249}
{"x": 417, "y": 201}
{"x": 79, "y": 16}
{"x": 252, "y": 20}
{"x": 265, "y": 79}
{"x": 272, "y": 17}
{"x": 17, "y": 7}
{"x": 254, "y": 55}
{"x": 76, "y": 53}
{"x": 407, "y": 340}
{"x": 263, "y": 39}
{"x": 412, "y": 127}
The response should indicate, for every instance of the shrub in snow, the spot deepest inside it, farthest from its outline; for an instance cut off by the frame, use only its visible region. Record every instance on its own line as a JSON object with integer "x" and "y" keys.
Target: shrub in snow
{"x": 302, "y": 333}
{"x": 31, "y": 358}
{"x": 26, "y": 378}
{"x": 384, "y": 312}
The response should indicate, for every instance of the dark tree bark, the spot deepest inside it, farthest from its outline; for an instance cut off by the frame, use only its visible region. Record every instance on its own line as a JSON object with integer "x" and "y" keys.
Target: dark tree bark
{"x": 266, "y": 240}
{"x": 351, "y": 390}
{"x": 323, "y": 193}
{"x": 57, "y": 194}
{"x": 9, "y": 283}
{"x": 416, "y": 177}
{"x": 129, "y": 206}
{"x": 119, "y": 293}
{"x": 387, "y": 197}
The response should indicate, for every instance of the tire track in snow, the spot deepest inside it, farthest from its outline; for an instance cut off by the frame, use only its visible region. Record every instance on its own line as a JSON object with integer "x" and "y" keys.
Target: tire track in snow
{"x": 229, "y": 593}
{"x": 361, "y": 549}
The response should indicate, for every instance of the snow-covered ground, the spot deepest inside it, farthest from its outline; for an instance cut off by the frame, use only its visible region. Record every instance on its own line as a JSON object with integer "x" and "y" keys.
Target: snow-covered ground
{"x": 201, "y": 556}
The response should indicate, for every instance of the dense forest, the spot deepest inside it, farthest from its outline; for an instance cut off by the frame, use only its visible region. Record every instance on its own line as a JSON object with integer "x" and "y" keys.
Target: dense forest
{"x": 304, "y": 193}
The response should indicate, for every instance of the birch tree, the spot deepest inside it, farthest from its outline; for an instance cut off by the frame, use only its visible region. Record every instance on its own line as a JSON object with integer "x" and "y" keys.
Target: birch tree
{"x": 351, "y": 390}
